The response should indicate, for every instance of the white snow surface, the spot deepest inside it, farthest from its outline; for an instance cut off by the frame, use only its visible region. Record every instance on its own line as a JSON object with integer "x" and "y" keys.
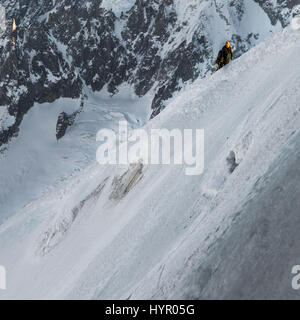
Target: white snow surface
{"x": 6, "y": 120}
{"x": 295, "y": 23}
{"x": 223, "y": 20}
{"x": 35, "y": 161}
{"x": 171, "y": 235}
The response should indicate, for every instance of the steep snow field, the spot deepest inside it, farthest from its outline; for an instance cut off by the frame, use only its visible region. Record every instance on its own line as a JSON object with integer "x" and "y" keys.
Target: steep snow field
{"x": 219, "y": 235}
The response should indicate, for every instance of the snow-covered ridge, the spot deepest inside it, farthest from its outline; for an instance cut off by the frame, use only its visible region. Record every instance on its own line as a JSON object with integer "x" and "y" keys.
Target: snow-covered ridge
{"x": 167, "y": 235}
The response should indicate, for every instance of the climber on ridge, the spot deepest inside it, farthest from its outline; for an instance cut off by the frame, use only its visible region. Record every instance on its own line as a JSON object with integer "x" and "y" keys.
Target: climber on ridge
{"x": 224, "y": 56}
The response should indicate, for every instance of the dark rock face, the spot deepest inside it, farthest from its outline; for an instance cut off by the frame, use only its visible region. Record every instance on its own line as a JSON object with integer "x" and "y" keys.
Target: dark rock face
{"x": 65, "y": 121}
{"x": 63, "y": 46}
{"x": 279, "y": 13}
{"x": 33, "y": 70}
{"x": 231, "y": 162}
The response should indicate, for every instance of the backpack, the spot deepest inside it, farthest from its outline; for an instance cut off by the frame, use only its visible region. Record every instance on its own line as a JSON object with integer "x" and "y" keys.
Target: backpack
{"x": 220, "y": 57}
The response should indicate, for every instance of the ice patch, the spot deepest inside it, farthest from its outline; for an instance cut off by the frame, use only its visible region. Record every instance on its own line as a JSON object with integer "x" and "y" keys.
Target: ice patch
{"x": 54, "y": 235}
{"x": 118, "y": 6}
{"x": 295, "y": 24}
{"x": 2, "y": 19}
{"x": 122, "y": 185}
{"x": 6, "y": 120}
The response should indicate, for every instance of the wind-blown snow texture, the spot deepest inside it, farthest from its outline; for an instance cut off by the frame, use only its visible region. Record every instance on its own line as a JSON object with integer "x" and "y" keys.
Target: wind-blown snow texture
{"x": 226, "y": 234}
{"x": 63, "y": 47}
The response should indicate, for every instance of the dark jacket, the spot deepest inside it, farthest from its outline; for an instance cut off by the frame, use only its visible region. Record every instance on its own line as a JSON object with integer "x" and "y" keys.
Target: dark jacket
{"x": 225, "y": 56}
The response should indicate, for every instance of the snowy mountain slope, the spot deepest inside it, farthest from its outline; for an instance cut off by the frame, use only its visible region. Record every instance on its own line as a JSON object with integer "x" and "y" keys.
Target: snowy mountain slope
{"x": 220, "y": 235}
{"x": 36, "y": 161}
{"x": 65, "y": 46}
